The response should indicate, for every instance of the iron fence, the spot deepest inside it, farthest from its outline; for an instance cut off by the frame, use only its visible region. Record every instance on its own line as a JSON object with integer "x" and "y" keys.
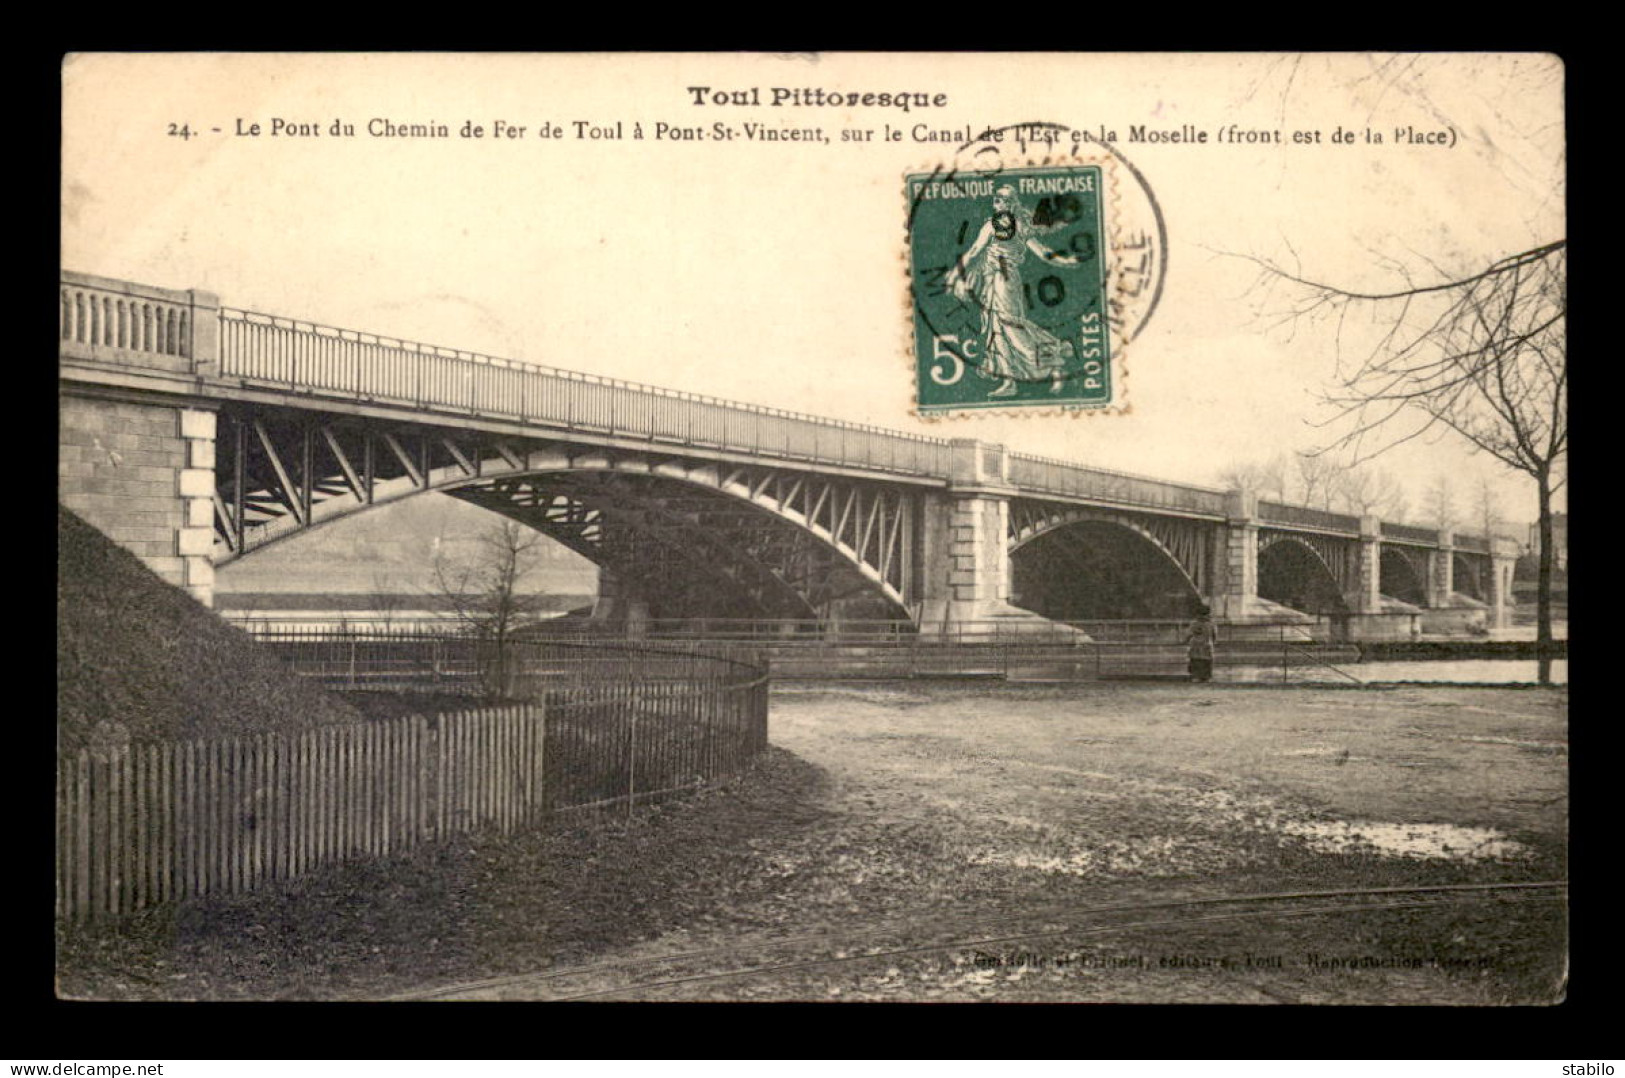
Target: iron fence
{"x": 995, "y": 648}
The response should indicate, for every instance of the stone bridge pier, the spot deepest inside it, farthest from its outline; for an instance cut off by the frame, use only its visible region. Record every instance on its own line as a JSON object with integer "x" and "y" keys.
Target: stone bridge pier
{"x": 965, "y": 564}
{"x": 140, "y": 466}
{"x": 1503, "y": 562}
{"x": 1233, "y": 595}
{"x": 143, "y": 474}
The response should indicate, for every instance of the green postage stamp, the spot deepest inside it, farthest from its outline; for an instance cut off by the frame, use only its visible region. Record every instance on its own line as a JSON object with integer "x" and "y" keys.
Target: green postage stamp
{"x": 1008, "y": 271}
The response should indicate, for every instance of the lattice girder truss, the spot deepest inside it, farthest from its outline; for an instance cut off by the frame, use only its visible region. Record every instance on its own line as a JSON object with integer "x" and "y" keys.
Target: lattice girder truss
{"x": 785, "y": 543}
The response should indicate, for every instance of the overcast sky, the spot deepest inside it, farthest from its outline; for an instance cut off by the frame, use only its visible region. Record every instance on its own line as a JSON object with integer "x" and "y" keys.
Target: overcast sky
{"x": 774, "y": 272}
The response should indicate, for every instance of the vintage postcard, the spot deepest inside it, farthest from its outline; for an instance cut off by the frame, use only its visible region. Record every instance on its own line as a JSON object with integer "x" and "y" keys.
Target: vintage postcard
{"x": 841, "y": 527}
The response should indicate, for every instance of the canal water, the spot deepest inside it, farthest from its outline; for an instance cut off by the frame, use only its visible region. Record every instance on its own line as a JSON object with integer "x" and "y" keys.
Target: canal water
{"x": 1457, "y": 671}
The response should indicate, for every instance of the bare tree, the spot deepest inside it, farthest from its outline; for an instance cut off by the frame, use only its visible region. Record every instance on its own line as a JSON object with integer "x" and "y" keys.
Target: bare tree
{"x": 1367, "y": 491}
{"x": 485, "y": 590}
{"x": 1487, "y": 508}
{"x": 1440, "y": 503}
{"x": 1483, "y": 355}
{"x": 385, "y": 599}
{"x": 1264, "y": 478}
{"x": 1317, "y": 479}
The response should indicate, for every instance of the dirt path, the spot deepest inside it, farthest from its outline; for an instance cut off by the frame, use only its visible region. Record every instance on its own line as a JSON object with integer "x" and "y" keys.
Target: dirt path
{"x": 957, "y": 828}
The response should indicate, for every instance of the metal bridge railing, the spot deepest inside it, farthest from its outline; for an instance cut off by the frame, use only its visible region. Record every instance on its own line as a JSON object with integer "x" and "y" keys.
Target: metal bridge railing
{"x": 1045, "y": 475}
{"x": 1319, "y": 519}
{"x": 136, "y": 324}
{"x": 1410, "y": 532}
{"x": 305, "y": 356}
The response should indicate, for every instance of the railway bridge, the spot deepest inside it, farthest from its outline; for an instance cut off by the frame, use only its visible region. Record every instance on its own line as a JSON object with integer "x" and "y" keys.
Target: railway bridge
{"x": 195, "y": 434}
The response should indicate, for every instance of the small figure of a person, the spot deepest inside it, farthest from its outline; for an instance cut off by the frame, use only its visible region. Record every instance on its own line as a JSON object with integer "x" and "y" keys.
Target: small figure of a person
{"x": 1200, "y": 637}
{"x": 1014, "y": 348}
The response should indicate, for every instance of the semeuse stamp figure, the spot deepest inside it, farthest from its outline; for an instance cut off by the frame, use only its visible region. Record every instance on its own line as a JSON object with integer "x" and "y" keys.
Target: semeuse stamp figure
{"x": 1012, "y": 345}
{"x": 1009, "y": 288}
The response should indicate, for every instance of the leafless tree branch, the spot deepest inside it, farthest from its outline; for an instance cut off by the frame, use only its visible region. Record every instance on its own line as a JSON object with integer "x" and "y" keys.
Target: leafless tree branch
{"x": 1484, "y": 355}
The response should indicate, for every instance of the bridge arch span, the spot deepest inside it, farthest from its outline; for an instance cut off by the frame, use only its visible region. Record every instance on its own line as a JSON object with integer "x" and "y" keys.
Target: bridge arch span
{"x": 697, "y": 544}
{"x": 764, "y": 541}
{"x": 1403, "y": 574}
{"x": 1080, "y": 564}
{"x": 1300, "y": 573}
{"x": 1467, "y": 576}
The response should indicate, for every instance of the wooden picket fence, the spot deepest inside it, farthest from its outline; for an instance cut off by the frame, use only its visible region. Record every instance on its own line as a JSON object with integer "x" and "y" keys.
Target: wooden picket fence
{"x": 606, "y": 727}
{"x": 142, "y": 825}
{"x": 145, "y": 824}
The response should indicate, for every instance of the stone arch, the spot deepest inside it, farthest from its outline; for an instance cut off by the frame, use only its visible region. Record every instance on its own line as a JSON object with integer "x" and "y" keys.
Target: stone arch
{"x": 1294, "y": 572}
{"x": 1084, "y": 565}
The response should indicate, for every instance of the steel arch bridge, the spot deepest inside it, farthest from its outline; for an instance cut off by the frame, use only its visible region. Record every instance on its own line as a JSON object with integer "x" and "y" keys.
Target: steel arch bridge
{"x": 197, "y": 434}
{"x": 689, "y": 534}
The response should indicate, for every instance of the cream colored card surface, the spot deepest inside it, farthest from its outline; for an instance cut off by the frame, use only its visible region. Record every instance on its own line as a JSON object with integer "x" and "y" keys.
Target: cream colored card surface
{"x": 705, "y": 222}
{"x": 1166, "y": 265}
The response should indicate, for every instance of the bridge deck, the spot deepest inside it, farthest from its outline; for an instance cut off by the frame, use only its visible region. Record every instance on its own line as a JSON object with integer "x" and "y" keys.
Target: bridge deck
{"x": 229, "y": 353}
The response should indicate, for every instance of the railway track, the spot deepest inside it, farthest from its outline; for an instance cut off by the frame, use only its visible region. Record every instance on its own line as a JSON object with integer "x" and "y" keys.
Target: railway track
{"x": 641, "y": 976}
